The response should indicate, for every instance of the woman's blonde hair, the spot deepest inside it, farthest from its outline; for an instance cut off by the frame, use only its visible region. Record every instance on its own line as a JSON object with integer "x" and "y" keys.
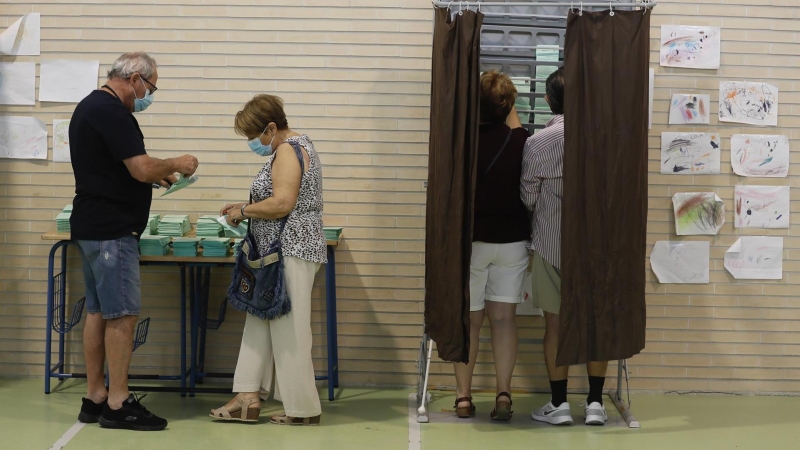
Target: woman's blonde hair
{"x": 498, "y": 95}
{"x": 258, "y": 113}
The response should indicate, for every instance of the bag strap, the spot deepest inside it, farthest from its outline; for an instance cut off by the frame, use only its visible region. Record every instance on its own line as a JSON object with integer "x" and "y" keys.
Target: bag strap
{"x": 299, "y": 153}
{"x": 508, "y": 138}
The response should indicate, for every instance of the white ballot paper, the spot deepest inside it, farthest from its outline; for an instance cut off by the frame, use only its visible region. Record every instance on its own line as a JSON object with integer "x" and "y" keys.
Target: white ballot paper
{"x": 181, "y": 183}
{"x": 681, "y": 262}
{"x": 755, "y": 258}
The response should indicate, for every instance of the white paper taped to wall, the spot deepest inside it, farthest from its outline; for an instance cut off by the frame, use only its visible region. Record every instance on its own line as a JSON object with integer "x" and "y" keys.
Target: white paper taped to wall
{"x": 67, "y": 81}
{"x": 61, "y": 141}
{"x": 22, "y": 138}
{"x": 681, "y": 262}
{"x": 18, "y": 83}
{"x": 22, "y": 37}
{"x": 755, "y": 258}
{"x": 698, "y": 213}
{"x": 762, "y": 206}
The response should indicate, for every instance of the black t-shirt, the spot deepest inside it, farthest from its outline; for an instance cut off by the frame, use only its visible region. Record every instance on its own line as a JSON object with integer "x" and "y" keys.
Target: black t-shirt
{"x": 500, "y": 215}
{"x": 109, "y": 203}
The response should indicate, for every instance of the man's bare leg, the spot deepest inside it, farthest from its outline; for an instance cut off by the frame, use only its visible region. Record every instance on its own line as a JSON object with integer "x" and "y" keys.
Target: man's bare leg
{"x": 94, "y": 351}
{"x": 119, "y": 346}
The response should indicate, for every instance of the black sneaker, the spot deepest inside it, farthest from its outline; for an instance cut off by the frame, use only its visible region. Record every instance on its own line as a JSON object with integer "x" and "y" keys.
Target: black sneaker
{"x": 132, "y": 416}
{"x": 90, "y": 411}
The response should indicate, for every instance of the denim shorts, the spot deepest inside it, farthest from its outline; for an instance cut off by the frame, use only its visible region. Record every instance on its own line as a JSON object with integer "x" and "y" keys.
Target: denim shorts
{"x": 111, "y": 274}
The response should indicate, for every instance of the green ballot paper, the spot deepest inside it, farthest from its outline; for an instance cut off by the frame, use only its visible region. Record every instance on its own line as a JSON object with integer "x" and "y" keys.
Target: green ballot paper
{"x": 181, "y": 183}
{"x": 231, "y": 231}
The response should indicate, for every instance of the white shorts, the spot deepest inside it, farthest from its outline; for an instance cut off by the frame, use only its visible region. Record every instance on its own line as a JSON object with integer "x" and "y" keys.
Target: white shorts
{"x": 497, "y": 272}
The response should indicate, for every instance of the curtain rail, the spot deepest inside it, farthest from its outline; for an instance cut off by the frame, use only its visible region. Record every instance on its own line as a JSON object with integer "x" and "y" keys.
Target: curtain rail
{"x": 574, "y": 5}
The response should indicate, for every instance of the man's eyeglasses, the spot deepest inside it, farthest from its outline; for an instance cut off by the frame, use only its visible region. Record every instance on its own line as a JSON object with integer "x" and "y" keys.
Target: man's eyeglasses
{"x": 153, "y": 87}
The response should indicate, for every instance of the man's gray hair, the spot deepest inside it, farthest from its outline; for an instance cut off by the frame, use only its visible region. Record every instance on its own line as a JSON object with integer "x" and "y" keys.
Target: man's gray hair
{"x": 130, "y": 63}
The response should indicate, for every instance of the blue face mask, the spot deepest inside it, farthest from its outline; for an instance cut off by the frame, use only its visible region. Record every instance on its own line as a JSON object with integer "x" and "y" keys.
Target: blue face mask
{"x": 140, "y": 104}
{"x": 258, "y": 148}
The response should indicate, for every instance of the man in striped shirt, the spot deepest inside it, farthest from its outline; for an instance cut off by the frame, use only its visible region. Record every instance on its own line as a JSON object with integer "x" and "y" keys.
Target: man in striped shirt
{"x": 541, "y": 189}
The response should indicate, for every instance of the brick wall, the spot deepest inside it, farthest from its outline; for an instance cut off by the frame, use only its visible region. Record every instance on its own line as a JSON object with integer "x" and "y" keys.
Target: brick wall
{"x": 355, "y": 77}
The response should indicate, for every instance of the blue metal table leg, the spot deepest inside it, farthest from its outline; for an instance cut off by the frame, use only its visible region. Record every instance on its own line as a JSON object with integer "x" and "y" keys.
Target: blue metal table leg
{"x": 205, "y": 289}
{"x": 63, "y": 309}
{"x": 330, "y": 313}
{"x": 183, "y": 330}
{"x": 192, "y": 331}
{"x": 49, "y": 321}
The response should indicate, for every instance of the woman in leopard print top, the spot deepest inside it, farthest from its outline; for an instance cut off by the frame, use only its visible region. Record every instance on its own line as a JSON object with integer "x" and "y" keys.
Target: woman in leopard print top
{"x": 280, "y": 190}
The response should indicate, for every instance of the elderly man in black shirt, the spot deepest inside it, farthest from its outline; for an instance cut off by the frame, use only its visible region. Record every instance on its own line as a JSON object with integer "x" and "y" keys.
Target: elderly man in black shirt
{"x": 113, "y": 190}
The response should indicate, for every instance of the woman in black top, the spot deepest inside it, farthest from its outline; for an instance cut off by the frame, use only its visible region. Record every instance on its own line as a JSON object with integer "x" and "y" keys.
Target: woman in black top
{"x": 501, "y": 231}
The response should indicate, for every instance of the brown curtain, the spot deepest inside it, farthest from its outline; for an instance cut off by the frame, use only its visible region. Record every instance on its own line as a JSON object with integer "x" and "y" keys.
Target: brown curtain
{"x": 453, "y": 151}
{"x": 604, "y": 216}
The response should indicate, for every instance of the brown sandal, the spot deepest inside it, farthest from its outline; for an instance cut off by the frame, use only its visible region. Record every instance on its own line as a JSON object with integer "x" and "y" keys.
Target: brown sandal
{"x": 465, "y": 412}
{"x": 245, "y": 412}
{"x": 283, "y": 419}
{"x": 502, "y": 409}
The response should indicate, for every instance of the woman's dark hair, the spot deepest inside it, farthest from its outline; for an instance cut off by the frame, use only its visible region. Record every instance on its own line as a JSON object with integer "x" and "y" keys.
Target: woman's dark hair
{"x": 555, "y": 91}
{"x": 498, "y": 95}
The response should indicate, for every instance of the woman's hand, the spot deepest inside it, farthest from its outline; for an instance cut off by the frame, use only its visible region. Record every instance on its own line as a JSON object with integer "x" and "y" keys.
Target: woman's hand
{"x": 225, "y": 211}
{"x": 234, "y": 216}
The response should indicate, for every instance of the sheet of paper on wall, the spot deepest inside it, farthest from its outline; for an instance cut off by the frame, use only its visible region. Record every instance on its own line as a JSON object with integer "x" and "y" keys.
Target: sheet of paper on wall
{"x": 542, "y": 72}
{"x": 61, "y": 140}
{"x": 690, "y": 46}
{"x": 690, "y": 153}
{"x": 762, "y": 206}
{"x": 681, "y": 262}
{"x": 181, "y": 183}
{"x": 698, "y": 213}
{"x": 66, "y": 80}
{"x": 755, "y": 258}
{"x": 652, "y": 83}
{"x": 689, "y": 109}
{"x": 22, "y": 37}
{"x": 750, "y": 103}
{"x": 22, "y": 138}
{"x": 760, "y": 155}
{"x": 547, "y": 53}
{"x": 18, "y": 83}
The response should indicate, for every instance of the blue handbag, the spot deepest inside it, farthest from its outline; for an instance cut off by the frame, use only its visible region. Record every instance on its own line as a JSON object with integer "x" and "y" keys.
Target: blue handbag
{"x": 257, "y": 284}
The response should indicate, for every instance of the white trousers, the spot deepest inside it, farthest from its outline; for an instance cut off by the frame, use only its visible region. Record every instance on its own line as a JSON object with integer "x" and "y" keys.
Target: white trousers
{"x": 287, "y": 342}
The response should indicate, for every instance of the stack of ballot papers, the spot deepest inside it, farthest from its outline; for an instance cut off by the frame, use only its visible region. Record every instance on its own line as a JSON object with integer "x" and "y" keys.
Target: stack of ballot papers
{"x": 236, "y": 246}
{"x": 175, "y": 226}
{"x": 152, "y": 225}
{"x": 216, "y": 247}
{"x": 154, "y": 245}
{"x": 184, "y": 246}
{"x": 207, "y": 226}
{"x": 62, "y": 219}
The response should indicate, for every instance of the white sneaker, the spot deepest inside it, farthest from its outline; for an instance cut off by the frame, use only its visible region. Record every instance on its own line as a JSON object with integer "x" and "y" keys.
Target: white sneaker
{"x": 552, "y": 415}
{"x": 596, "y": 414}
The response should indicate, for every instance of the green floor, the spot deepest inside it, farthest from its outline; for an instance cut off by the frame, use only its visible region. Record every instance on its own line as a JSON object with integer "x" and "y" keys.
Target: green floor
{"x": 367, "y": 418}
